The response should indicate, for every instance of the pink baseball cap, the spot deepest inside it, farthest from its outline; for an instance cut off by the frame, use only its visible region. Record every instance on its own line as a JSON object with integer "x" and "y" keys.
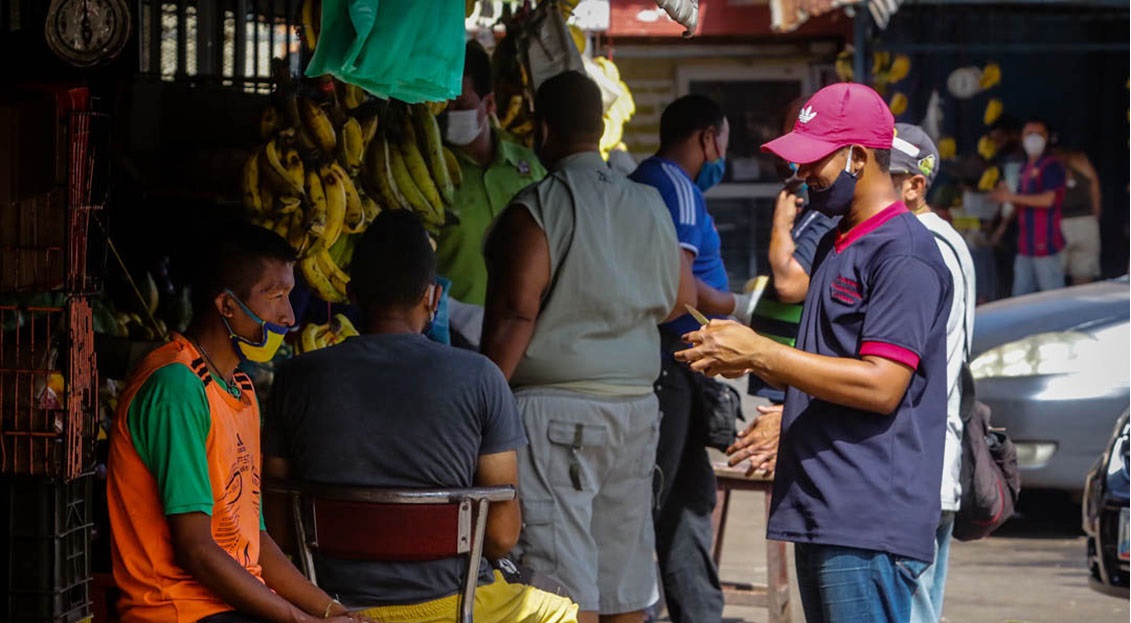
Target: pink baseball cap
{"x": 838, "y": 115}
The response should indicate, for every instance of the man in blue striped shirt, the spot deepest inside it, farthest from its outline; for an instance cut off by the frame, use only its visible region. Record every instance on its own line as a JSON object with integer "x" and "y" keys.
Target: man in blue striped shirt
{"x": 693, "y": 143}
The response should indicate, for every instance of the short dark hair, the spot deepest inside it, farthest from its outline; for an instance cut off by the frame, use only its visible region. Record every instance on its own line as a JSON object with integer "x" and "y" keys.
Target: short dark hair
{"x": 883, "y": 159}
{"x": 477, "y": 66}
{"x": 1006, "y": 123}
{"x": 688, "y": 115}
{"x": 570, "y": 104}
{"x": 1040, "y": 121}
{"x": 393, "y": 263}
{"x": 233, "y": 260}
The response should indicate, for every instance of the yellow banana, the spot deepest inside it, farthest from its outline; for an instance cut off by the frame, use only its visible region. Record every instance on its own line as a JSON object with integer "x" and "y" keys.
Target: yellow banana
{"x": 345, "y": 327}
{"x": 370, "y": 207}
{"x": 407, "y": 186}
{"x": 513, "y": 108}
{"x": 275, "y": 172}
{"x": 353, "y": 96}
{"x": 326, "y": 265}
{"x": 252, "y": 200}
{"x": 368, "y": 130}
{"x": 900, "y": 67}
{"x": 335, "y": 193}
{"x": 432, "y": 146}
{"x": 309, "y": 337}
{"x": 295, "y": 169}
{"x": 354, "y": 222}
{"x": 379, "y": 165}
{"x": 417, "y": 168}
{"x": 319, "y": 283}
{"x": 316, "y": 213}
{"x": 282, "y": 227}
{"x": 948, "y": 148}
{"x": 454, "y": 171}
{"x": 287, "y": 204}
{"x": 991, "y": 76}
{"x": 436, "y": 107}
{"x": 993, "y": 111}
{"x": 318, "y": 126}
{"x": 296, "y": 233}
{"x": 351, "y": 146}
{"x": 989, "y": 179}
{"x": 311, "y": 22}
{"x": 898, "y": 104}
{"x": 986, "y": 148}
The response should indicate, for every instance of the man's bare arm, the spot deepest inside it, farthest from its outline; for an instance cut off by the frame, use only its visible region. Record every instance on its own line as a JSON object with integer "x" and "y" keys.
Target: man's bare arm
{"x": 790, "y": 279}
{"x": 504, "y": 522}
{"x": 518, "y": 274}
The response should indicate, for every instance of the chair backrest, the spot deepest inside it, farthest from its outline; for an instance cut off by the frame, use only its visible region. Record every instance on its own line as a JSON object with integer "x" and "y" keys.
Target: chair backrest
{"x": 366, "y": 523}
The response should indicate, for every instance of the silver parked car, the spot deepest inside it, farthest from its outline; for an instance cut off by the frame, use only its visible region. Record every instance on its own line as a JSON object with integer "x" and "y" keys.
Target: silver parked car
{"x": 1055, "y": 368}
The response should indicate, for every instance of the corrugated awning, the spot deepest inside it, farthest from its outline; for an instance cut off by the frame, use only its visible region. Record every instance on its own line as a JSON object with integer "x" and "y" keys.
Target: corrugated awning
{"x": 788, "y": 15}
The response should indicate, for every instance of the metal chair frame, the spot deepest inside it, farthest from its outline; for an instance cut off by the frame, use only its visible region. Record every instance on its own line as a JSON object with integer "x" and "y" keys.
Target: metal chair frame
{"x": 473, "y": 505}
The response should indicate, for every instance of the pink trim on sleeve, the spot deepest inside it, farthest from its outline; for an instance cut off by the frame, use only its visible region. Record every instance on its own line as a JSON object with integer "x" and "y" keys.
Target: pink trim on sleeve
{"x": 895, "y": 353}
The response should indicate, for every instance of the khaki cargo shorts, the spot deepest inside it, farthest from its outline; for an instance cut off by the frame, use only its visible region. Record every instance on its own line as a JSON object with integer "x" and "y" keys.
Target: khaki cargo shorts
{"x": 1081, "y": 254}
{"x": 585, "y": 481}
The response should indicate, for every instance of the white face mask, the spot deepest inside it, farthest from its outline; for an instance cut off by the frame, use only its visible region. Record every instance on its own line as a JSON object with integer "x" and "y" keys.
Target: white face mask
{"x": 463, "y": 127}
{"x": 1034, "y": 144}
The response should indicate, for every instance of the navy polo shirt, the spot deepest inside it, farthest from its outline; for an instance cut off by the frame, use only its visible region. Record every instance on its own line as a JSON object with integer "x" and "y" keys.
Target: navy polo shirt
{"x": 848, "y": 477}
{"x": 693, "y": 226}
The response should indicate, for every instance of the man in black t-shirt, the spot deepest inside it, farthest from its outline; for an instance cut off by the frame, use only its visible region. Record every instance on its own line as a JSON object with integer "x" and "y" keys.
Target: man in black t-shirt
{"x": 390, "y": 408}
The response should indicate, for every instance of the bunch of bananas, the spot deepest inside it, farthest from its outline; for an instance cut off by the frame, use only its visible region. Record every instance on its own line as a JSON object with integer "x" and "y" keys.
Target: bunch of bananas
{"x": 332, "y": 159}
{"x": 619, "y": 112}
{"x": 407, "y": 167}
{"x": 316, "y": 336}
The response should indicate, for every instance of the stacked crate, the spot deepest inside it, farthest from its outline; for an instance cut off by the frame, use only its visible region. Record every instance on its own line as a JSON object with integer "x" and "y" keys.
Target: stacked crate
{"x": 48, "y": 378}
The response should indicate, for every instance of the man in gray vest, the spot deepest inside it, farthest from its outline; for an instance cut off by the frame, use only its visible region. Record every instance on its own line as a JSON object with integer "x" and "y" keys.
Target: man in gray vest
{"x": 582, "y": 266}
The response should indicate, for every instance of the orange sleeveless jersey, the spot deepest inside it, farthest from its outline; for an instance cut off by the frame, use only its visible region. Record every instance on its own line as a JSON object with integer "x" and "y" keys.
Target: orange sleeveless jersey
{"x": 154, "y": 588}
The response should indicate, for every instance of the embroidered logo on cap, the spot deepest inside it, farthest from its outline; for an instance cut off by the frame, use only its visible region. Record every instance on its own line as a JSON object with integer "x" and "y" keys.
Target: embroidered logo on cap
{"x": 927, "y": 165}
{"x": 807, "y": 114}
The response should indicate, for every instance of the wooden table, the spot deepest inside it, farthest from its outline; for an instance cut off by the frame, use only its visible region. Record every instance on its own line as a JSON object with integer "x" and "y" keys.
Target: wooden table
{"x": 774, "y": 595}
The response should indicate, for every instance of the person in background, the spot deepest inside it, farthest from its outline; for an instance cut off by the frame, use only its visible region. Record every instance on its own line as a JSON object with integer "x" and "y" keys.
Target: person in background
{"x": 183, "y": 475}
{"x": 693, "y": 143}
{"x": 1009, "y": 158}
{"x": 859, "y": 468}
{"x": 392, "y": 409}
{"x": 494, "y": 169}
{"x": 1080, "y": 216}
{"x": 793, "y": 244}
{"x": 914, "y": 165}
{"x": 1037, "y": 266}
{"x": 582, "y": 268}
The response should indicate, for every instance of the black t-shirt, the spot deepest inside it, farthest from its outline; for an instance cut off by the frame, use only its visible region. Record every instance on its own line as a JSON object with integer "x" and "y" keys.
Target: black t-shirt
{"x": 390, "y": 411}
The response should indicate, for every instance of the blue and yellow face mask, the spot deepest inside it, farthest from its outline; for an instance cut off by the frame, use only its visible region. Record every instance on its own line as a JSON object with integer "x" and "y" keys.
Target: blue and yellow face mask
{"x": 272, "y": 336}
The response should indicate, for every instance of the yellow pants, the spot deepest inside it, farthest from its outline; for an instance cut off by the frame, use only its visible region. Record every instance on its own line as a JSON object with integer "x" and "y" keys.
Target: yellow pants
{"x": 498, "y": 602}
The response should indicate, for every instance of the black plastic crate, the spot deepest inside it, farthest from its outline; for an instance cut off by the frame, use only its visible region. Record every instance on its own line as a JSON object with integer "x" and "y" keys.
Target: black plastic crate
{"x": 49, "y": 526}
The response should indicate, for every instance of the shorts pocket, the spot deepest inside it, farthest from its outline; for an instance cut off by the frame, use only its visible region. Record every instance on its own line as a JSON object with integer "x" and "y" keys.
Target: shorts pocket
{"x": 645, "y": 464}
{"x": 538, "y": 543}
{"x": 576, "y": 450}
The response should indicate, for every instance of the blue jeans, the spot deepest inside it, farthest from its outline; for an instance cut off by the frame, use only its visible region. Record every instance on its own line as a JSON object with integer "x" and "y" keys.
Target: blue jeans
{"x": 1037, "y": 274}
{"x": 850, "y": 585}
{"x": 926, "y": 604}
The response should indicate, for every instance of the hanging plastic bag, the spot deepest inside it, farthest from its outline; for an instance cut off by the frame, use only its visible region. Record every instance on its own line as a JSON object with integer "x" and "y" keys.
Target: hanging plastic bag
{"x": 547, "y": 46}
{"x": 410, "y": 51}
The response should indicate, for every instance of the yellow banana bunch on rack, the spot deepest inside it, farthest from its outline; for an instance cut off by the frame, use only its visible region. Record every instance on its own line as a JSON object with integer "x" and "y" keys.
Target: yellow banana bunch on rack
{"x": 317, "y": 336}
{"x": 454, "y": 170}
{"x": 328, "y": 287}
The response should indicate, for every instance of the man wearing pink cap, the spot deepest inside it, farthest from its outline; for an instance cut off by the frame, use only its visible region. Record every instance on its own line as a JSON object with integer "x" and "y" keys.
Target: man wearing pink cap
{"x": 860, "y": 458}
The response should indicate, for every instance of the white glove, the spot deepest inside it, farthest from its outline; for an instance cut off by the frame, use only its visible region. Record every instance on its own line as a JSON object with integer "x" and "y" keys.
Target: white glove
{"x": 743, "y": 308}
